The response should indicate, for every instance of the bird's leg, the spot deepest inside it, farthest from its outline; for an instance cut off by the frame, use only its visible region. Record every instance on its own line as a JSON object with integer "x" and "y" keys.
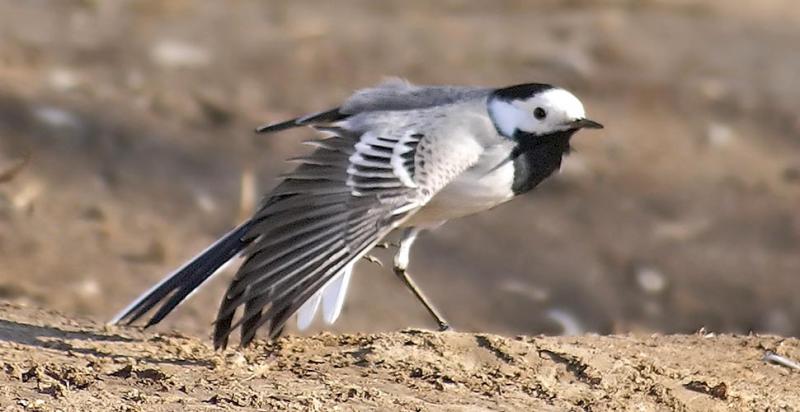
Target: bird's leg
{"x": 401, "y": 264}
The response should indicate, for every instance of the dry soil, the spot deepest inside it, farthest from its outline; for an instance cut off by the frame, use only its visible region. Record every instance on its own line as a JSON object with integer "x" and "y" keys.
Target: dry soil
{"x": 51, "y": 361}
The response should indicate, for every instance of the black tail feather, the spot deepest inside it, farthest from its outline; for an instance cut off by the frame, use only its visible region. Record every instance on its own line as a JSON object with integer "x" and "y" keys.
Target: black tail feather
{"x": 179, "y": 285}
{"x": 328, "y": 116}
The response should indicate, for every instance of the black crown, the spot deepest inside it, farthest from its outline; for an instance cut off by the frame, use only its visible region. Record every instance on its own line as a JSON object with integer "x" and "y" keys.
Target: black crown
{"x": 521, "y": 91}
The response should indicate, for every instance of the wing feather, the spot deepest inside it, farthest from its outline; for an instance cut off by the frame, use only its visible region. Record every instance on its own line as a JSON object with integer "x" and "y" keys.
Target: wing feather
{"x": 355, "y": 188}
{"x": 375, "y": 168}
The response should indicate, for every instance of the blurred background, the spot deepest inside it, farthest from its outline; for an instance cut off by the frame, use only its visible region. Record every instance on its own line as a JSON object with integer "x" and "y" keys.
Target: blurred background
{"x": 136, "y": 118}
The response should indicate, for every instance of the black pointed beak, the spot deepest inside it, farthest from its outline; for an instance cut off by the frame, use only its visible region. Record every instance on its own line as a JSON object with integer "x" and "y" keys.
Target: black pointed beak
{"x": 586, "y": 124}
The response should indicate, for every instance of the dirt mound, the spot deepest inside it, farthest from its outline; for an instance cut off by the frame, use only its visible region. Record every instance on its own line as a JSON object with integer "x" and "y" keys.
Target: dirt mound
{"x": 54, "y": 362}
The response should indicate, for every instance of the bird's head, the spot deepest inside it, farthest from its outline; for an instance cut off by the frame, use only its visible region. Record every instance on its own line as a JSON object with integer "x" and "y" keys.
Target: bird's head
{"x": 537, "y": 110}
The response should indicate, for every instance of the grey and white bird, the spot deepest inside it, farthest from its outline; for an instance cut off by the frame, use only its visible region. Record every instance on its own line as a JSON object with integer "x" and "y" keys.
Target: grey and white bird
{"x": 395, "y": 157}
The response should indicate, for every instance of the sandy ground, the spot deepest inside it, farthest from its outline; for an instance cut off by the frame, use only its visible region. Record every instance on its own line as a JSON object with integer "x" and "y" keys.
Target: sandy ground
{"x": 138, "y": 117}
{"x": 55, "y": 362}
{"x": 135, "y": 118}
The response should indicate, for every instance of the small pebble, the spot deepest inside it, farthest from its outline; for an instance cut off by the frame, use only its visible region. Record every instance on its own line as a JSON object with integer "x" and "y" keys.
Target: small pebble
{"x": 178, "y": 54}
{"x": 719, "y": 135}
{"x": 651, "y": 280}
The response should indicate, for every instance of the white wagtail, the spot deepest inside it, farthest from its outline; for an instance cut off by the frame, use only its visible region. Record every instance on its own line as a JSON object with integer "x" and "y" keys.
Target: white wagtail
{"x": 395, "y": 156}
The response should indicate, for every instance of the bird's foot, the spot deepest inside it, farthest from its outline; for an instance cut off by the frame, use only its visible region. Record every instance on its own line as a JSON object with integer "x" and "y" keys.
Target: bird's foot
{"x": 386, "y": 245}
{"x": 373, "y": 259}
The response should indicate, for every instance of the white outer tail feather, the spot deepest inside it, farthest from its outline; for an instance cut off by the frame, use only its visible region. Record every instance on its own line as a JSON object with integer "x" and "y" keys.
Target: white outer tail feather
{"x": 305, "y": 315}
{"x": 332, "y": 296}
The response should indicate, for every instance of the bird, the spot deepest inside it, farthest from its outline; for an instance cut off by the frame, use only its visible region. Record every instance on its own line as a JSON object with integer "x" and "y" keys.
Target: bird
{"x": 395, "y": 157}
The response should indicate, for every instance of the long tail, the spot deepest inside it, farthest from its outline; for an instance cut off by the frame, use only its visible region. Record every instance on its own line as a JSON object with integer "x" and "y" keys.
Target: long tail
{"x": 180, "y": 284}
{"x": 328, "y": 116}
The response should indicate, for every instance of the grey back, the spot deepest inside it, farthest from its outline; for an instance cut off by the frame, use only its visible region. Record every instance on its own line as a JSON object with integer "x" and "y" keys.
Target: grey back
{"x": 398, "y": 94}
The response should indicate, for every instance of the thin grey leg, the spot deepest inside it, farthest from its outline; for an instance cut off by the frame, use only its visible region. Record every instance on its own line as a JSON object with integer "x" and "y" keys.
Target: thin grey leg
{"x": 401, "y": 264}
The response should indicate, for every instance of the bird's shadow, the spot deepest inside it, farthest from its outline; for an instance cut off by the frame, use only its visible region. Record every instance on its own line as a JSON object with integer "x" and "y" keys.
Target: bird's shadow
{"x": 57, "y": 339}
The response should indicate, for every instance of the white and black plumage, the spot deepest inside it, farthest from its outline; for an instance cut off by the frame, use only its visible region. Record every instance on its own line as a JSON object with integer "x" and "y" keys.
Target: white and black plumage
{"x": 396, "y": 156}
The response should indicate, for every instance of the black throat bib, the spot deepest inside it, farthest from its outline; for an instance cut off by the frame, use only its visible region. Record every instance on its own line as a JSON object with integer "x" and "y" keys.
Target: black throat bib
{"x": 537, "y": 157}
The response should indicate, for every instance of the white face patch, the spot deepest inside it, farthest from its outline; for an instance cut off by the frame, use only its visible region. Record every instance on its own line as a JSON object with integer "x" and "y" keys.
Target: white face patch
{"x": 559, "y": 107}
{"x": 506, "y": 116}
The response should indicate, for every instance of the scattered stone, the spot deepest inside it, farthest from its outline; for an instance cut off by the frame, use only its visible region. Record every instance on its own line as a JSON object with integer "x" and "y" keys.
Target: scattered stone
{"x": 204, "y": 200}
{"x": 63, "y": 79}
{"x": 570, "y": 324}
{"x": 26, "y": 196}
{"x": 681, "y": 230}
{"x": 144, "y": 374}
{"x": 178, "y": 54}
{"x": 56, "y": 118}
{"x": 88, "y": 288}
{"x": 134, "y": 395}
{"x": 529, "y": 291}
{"x": 650, "y": 280}
{"x": 719, "y": 135}
{"x": 719, "y": 391}
{"x": 235, "y": 359}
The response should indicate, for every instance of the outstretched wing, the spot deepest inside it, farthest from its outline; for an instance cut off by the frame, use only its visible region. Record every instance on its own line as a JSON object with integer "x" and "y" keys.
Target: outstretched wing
{"x": 356, "y": 187}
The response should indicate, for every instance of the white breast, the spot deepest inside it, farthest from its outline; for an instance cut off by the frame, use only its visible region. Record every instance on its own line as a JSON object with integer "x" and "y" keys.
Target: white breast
{"x": 477, "y": 189}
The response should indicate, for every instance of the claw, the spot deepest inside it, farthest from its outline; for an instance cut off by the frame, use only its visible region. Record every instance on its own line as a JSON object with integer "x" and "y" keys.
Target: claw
{"x": 374, "y": 260}
{"x": 386, "y": 245}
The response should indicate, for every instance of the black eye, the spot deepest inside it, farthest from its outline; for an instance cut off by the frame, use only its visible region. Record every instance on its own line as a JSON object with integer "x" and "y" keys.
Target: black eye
{"x": 539, "y": 113}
